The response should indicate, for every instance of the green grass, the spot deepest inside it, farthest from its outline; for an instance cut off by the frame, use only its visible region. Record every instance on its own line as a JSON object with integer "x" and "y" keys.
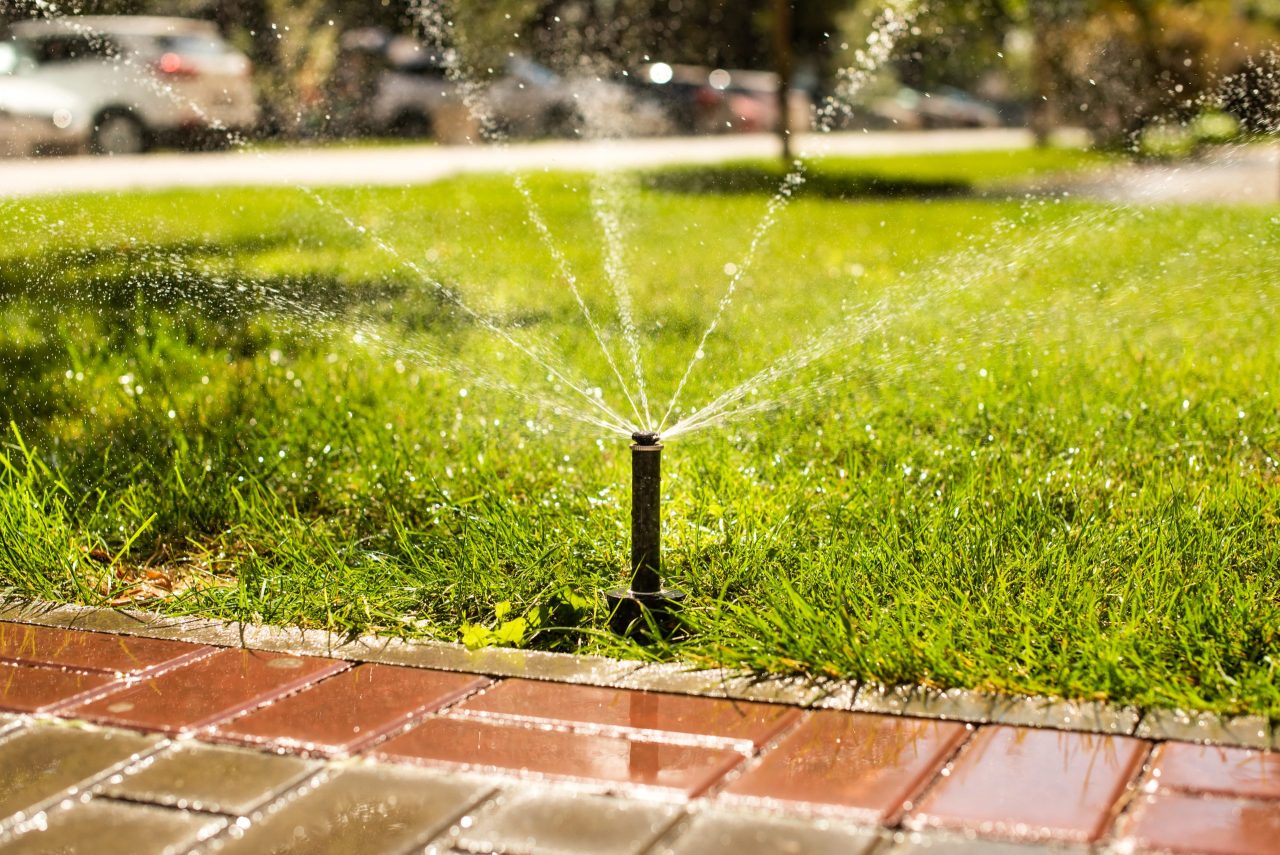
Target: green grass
{"x": 1045, "y": 459}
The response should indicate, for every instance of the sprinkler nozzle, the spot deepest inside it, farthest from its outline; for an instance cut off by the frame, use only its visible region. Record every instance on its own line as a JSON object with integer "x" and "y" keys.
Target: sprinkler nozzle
{"x": 647, "y": 439}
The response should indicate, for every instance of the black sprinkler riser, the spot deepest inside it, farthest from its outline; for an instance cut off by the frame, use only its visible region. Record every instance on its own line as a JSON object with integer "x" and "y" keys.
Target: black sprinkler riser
{"x": 632, "y": 610}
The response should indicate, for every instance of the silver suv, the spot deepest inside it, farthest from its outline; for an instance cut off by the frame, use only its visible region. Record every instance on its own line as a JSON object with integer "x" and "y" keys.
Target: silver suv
{"x": 136, "y": 80}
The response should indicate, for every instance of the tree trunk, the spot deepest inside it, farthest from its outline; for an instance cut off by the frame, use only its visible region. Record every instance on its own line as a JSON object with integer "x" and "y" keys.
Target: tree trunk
{"x": 783, "y": 63}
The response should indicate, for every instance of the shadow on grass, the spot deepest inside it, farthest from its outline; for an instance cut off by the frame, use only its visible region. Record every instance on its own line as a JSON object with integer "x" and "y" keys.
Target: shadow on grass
{"x": 750, "y": 179}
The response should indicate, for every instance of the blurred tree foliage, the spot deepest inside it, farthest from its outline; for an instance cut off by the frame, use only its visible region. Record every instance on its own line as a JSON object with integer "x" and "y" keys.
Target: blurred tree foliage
{"x": 1112, "y": 66}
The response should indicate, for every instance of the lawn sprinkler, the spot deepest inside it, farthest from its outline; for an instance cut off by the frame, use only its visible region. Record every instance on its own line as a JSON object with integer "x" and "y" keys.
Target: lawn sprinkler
{"x": 633, "y": 609}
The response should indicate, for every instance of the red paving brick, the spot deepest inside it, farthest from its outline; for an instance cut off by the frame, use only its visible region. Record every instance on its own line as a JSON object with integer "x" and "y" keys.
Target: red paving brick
{"x": 533, "y": 699}
{"x": 1217, "y": 769}
{"x": 208, "y": 690}
{"x": 91, "y": 651}
{"x": 592, "y": 757}
{"x": 1205, "y": 825}
{"x": 350, "y": 709}
{"x": 862, "y": 762}
{"x": 1028, "y": 783}
{"x": 27, "y": 689}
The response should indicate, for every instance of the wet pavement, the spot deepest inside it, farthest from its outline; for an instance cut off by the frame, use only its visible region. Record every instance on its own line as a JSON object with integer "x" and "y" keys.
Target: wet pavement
{"x": 117, "y": 743}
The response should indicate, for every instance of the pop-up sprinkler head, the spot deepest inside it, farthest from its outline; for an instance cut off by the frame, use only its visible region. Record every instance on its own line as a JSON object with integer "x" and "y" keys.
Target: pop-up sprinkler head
{"x": 633, "y": 609}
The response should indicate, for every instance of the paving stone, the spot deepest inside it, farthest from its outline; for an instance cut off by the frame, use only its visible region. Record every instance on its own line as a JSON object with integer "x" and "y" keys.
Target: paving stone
{"x": 1090, "y": 716}
{"x": 549, "y": 823}
{"x": 718, "y": 832}
{"x": 356, "y": 810}
{"x": 43, "y": 763}
{"x": 1217, "y": 769}
{"x": 108, "y": 827}
{"x": 916, "y": 843}
{"x": 743, "y": 721}
{"x": 1248, "y": 731}
{"x": 31, "y": 689}
{"x": 91, "y": 651}
{"x": 349, "y": 710}
{"x": 1204, "y": 825}
{"x": 208, "y": 690}
{"x": 609, "y": 759}
{"x": 836, "y": 695}
{"x": 1033, "y": 784}
{"x": 9, "y": 723}
{"x": 955, "y": 704}
{"x": 858, "y": 762}
{"x": 722, "y": 683}
{"x": 208, "y": 778}
{"x": 77, "y": 617}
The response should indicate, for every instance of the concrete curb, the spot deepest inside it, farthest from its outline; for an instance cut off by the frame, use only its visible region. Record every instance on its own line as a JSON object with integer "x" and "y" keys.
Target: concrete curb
{"x": 917, "y": 701}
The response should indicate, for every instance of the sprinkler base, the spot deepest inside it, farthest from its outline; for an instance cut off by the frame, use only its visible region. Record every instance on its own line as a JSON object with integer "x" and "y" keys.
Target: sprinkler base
{"x": 637, "y": 615}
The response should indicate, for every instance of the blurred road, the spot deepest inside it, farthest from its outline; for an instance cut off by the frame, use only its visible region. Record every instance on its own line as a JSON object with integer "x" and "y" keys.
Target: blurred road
{"x": 400, "y": 165}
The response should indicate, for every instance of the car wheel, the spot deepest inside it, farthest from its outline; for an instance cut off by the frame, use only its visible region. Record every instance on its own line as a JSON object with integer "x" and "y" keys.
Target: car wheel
{"x": 118, "y": 133}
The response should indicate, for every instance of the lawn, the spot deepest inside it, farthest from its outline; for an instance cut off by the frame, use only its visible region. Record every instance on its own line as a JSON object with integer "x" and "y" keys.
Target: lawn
{"x": 1037, "y": 449}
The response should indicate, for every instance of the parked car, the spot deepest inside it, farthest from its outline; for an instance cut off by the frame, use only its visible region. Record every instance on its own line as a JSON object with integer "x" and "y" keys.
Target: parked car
{"x": 35, "y": 116}
{"x": 947, "y": 108}
{"x": 717, "y": 100}
{"x": 385, "y": 84}
{"x": 531, "y": 100}
{"x": 138, "y": 80}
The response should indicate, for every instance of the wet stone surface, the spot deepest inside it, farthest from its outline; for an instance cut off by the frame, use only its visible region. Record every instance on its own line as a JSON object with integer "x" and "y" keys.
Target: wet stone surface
{"x": 30, "y": 689}
{"x": 350, "y": 709}
{"x": 90, "y": 651}
{"x": 1183, "y": 823}
{"x": 1033, "y": 784}
{"x": 914, "y": 843}
{"x": 539, "y": 821}
{"x": 1065, "y": 715}
{"x": 738, "y": 721}
{"x": 681, "y": 770}
{"x": 722, "y": 683}
{"x": 1248, "y": 731}
{"x": 47, "y": 762}
{"x": 1216, "y": 769}
{"x": 356, "y": 810}
{"x": 954, "y": 704}
{"x": 115, "y": 828}
{"x": 862, "y": 763}
{"x": 731, "y": 833}
{"x": 208, "y": 778}
{"x": 208, "y": 690}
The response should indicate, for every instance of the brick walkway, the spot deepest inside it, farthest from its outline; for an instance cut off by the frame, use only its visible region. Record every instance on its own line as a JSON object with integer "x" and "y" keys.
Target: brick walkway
{"x": 118, "y": 743}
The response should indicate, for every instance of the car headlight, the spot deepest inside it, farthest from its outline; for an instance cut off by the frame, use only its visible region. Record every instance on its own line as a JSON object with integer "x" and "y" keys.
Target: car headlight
{"x": 62, "y": 118}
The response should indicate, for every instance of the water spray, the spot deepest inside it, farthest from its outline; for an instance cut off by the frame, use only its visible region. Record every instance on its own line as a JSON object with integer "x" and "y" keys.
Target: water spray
{"x": 645, "y": 603}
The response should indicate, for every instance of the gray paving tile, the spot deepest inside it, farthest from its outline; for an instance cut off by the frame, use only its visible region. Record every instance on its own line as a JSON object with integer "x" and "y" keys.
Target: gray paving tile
{"x": 42, "y": 763}
{"x": 499, "y": 662}
{"x": 722, "y": 683}
{"x": 208, "y": 778}
{"x": 1065, "y": 715}
{"x": 951, "y": 704}
{"x": 733, "y": 833}
{"x": 929, "y": 844}
{"x": 356, "y": 809}
{"x": 534, "y": 822}
{"x": 106, "y": 827}
{"x": 1246, "y": 731}
{"x": 836, "y": 695}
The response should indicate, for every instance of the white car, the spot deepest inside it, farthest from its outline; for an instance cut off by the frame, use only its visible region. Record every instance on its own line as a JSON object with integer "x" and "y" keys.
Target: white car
{"x": 133, "y": 80}
{"x": 36, "y": 116}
